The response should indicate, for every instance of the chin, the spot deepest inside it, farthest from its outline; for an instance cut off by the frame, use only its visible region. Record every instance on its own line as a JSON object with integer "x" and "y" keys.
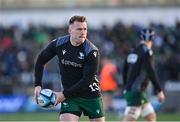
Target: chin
{"x": 82, "y": 40}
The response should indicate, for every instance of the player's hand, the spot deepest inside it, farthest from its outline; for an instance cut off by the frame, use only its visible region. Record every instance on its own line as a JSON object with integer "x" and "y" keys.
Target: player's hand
{"x": 161, "y": 96}
{"x": 59, "y": 97}
{"x": 37, "y": 91}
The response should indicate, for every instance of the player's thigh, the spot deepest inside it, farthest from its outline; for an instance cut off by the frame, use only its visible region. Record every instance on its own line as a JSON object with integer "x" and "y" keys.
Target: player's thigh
{"x": 70, "y": 107}
{"x": 93, "y": 108}
{"x": 148, "y": 112}
{"x": 135, "y": 98}
{"x": 132, "y": 113}
{"x": 68, "y": 117}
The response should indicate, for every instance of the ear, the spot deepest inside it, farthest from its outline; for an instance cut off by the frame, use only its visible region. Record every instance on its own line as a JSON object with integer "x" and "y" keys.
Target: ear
{"x": 69, "y": 30}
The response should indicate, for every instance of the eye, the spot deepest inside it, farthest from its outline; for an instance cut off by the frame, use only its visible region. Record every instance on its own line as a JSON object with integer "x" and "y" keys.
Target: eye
{"x": 79, "y": 29}
{"x": 82, "y": 29}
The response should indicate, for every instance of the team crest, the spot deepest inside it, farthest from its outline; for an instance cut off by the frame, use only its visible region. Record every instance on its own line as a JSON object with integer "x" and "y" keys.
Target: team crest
{"x": 81, "y": 55}
{"x": 63, "y": 52}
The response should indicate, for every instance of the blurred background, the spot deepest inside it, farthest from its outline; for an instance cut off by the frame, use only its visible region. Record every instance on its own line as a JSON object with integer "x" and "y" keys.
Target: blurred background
{"x": 27, "y": 26}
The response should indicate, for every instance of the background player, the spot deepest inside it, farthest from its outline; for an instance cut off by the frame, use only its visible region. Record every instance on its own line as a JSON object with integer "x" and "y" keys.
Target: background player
{"x": 138, "y": 70}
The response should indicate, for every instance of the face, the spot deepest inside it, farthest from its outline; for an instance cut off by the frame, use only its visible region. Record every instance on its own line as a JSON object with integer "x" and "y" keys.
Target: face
{"x": 149, "y": 44}
{"x": 78, "y": 32}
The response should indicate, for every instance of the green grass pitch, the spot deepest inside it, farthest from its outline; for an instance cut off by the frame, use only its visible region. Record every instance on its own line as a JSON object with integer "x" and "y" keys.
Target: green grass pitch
{"x": 53, "y": 116}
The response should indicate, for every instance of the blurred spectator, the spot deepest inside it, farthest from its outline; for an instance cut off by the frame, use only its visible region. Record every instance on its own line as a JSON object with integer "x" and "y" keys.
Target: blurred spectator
{"x": 18, "y": 47}
{"x": 108, "y": 82}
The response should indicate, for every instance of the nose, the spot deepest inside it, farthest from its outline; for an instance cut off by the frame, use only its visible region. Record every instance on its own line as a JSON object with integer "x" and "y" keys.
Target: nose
{"x": 83, "y": 32}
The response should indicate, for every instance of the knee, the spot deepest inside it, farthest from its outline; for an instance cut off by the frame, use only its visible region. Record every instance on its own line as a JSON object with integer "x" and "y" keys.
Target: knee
{"x": 151, "y": 117}
{"x": 129, "y": 119}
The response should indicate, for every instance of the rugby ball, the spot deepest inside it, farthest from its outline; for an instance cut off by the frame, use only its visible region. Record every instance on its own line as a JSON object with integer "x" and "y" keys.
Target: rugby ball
{"x": 46, "y": 99}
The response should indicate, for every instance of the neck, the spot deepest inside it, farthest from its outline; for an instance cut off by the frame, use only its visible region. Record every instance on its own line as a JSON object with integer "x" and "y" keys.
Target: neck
{"x": 147, "y": 43}
{"x": 74, "y": 42}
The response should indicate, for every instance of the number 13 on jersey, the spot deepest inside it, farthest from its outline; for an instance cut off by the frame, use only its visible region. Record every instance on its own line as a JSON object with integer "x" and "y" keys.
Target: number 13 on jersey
{"x": 94, "y": 87}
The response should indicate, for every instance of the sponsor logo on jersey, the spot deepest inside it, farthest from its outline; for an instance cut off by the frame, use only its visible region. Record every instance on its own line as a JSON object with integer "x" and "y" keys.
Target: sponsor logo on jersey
{"x": 81, "y": 55}
{"x": 70, "y": 63}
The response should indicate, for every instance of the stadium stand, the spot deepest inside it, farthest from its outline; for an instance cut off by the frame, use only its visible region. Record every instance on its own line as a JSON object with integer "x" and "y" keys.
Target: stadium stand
{"x": 19, "y": 48}
{"x": 11, "y": 4}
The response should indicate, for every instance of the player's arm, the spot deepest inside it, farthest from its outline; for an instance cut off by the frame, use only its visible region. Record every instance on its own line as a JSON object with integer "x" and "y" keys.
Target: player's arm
{"x": 89, "y": 71}
{"x": 152, "y": 75}
{"x": 45, "y": 55}
{"x": 151, "y": 72}
{"x": 42, "y": 59}
{"x": 124, "y": 72}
